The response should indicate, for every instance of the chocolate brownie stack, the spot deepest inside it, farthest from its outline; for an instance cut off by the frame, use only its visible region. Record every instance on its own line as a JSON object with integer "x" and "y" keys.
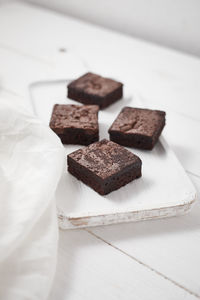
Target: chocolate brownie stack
{"x": 105, "y": 166}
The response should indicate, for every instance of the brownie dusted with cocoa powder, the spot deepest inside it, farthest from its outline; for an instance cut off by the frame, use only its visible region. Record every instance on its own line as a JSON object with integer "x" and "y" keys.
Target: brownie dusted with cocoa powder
{"x": 94, "y": 89}
{"x": 136, "y": 127}
{"x": 104, "y": 166}
{"x": 75, "y": 124}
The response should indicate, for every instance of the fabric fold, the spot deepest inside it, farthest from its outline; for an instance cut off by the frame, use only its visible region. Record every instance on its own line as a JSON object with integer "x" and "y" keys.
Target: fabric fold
{"x": 31, "y": 164}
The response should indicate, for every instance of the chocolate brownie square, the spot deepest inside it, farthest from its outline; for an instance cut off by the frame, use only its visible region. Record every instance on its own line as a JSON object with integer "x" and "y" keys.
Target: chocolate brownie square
{"x": 94, "y": 89}
{"x": 75, "y": 124}
{"x": 104, "y": 166}
{"x": 136, "y": 127}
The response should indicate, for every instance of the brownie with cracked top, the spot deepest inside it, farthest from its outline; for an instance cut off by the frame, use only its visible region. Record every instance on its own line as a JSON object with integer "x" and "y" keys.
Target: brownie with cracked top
{"x": 75, "y": 124}
{"x": 136, "y": 127}
{"x": 104, "y": 166}
{"x": 94, "y": 89}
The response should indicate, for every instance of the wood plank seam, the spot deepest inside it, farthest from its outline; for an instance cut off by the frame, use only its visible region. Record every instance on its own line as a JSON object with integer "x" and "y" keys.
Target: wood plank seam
{"x": 191, "y": 173}
{"x": 145, "y": 265}
{"x": 11, "y": 92}
{"x": 185, "y": 115}
{"x": 25, "y": 54}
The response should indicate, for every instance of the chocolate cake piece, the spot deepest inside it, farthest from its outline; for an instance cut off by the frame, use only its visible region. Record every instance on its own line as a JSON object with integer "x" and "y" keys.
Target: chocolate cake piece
{"x": 75, "y": 124}
{"x": 136, "y": 127}
{"x": 104, "y": 166}
{"x": 94, "y": 89}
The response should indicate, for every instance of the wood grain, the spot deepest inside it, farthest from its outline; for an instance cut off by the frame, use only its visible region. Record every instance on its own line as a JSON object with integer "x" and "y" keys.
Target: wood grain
{"x": 170, "y": 246}
{"x": 89, "y": 268}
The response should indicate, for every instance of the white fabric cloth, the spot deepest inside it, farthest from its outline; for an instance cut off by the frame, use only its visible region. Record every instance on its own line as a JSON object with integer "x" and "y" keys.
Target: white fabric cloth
{"x": 31, "y": 163}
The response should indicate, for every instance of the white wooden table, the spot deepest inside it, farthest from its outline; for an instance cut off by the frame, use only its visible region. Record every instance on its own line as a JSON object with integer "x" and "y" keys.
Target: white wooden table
{"x": 148, "y": 260}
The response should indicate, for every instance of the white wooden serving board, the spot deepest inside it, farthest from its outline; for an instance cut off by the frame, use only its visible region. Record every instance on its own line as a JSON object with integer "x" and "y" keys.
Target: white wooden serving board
{"x": 163, "y": 191}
